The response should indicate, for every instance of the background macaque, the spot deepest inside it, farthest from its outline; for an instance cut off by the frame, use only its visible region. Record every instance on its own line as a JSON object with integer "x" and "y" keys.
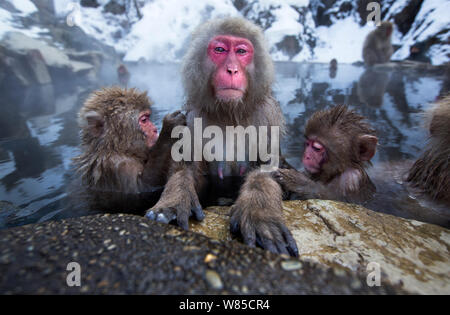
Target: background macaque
{"x": 431, "y": 172}
{"x": 339, "y": 145}
{"x": 377, "y": 46}
{"x": 333, "y": 68}
{"x": 228, "y": 75}
{"x": 417, "y": 52}
{"x": 121, "y": 149}
{"x": 123, "y": 75}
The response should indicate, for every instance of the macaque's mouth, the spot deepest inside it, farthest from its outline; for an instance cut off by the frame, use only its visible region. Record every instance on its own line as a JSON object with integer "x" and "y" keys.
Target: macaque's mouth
{"x": 229, "y": 93}
{"x": 311, "y": 169}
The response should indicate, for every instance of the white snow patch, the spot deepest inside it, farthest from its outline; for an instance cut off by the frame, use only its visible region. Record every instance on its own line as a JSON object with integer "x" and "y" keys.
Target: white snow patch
{"x": 343, "y": 40}
{"x": 25, "y": 6}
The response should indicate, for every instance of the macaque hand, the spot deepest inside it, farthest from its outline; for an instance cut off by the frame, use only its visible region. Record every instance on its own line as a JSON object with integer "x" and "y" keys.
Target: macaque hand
{"x": 177, "y": 208}
{"x": 263, "y": 227}
{"x": 172, "y": 120}
{"x": 290, "y": 179}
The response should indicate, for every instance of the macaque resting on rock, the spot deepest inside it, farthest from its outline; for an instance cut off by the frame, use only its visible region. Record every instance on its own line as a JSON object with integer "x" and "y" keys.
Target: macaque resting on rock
{"x": 339, "y": 146}
{"x": 228, "y": 74}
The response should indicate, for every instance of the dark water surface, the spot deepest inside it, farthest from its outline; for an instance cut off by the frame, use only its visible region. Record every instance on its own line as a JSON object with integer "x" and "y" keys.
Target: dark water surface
{"x": 39, "y": 133}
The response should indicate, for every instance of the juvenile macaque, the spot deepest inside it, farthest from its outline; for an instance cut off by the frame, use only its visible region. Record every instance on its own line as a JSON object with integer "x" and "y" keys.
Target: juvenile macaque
{"x": 123, "y": 75}
{"x": 431, "y": 172}
{"x": 377, "y": 46}
{"x": 339, "y": 146}
{"x": 417, "y": 52}
{"x": 121, "y": 148}
{"x": 228, "y": 75}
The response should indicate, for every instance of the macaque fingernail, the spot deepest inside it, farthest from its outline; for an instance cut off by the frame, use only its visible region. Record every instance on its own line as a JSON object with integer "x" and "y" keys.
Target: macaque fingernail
{"x": 151, "y": 215}
{"x": 161, "y": 218}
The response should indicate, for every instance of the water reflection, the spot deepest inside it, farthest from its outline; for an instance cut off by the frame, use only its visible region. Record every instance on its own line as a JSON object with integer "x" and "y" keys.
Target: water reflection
{"x": 39, "y": 133}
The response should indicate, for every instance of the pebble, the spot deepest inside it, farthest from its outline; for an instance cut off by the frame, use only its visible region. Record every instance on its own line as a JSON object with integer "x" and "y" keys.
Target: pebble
{"x": 291, "y": 265}
{"x": 214, "y": 280}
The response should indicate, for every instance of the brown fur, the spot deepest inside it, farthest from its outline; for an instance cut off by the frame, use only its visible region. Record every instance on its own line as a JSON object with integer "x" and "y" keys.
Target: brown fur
{"x": 256, "y": 210}
{"x": 346, "y": 135}
{"x": 377, "y": 46}
{"x": 431, "y": 172}
{"x": 114, "y": 153}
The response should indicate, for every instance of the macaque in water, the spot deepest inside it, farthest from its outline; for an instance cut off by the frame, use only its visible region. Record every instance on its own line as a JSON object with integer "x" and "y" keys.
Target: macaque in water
{"x": 338, "y": 148}
{"x": 377, "y": 46}
{"x": 228, "y": 74}
{"x": 122, "y": 150}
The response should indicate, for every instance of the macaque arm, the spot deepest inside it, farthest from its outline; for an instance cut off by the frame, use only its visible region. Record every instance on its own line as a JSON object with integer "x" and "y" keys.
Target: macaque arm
{"x": 179, "y": 199}
{"x": 257, "y": 215}
{"x": 299, "y": 186}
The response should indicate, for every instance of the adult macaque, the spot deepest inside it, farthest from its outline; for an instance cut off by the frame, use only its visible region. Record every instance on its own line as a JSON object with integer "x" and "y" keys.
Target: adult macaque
{"x": 339, "y": 145}
{"x": 431, "y": 172}
{"x": 377, "y": 46}
{"x": 228, "y": 75}
{"x": 121, "y": 149}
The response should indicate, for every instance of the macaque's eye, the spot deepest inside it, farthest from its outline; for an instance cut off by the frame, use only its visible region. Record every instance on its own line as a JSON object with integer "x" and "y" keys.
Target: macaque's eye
{"x": 317, "y": 146}
{"x": 241, "y": 51}
{"x": 219, "y": 49}
{"x": 144, "y": 119}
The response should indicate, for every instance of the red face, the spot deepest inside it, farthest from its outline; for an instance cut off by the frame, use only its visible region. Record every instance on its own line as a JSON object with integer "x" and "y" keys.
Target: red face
{"x": 314, "y": 156}
{"x": 231, "y": 55}
{"x": 149, "y": 129}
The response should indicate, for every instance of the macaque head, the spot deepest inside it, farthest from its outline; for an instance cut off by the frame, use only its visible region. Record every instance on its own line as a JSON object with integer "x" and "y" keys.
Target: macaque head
{"x": 227, "y": 69}
{"x": 118, "y": 119}
{"x": 336, "y": 140}
{"x": 385, "y": 29}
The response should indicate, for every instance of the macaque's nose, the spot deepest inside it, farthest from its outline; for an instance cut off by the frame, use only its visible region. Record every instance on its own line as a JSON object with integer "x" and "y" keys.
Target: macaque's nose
{"x": 232, "y": 69}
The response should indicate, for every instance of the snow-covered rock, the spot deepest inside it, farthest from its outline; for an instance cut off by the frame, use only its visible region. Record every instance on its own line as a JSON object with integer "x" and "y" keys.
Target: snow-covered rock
{"x": 297, "y": 30}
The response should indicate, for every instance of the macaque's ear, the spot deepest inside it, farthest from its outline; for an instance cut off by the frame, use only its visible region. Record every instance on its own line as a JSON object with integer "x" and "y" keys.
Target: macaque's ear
{"x": 94, "y": 123}
{"x": 367, "y": 147}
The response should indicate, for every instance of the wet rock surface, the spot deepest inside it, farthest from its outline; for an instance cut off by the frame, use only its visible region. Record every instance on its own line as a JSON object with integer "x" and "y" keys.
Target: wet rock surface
{"x": 409, "y": 253}
{"x": 129, "y": 254}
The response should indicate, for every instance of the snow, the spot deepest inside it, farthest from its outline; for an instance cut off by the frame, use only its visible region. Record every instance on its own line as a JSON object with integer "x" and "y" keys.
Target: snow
{"x": 162, "y": 33}
{"x": 431, "y": 19}
{"x": 25, "y": 6}
{"x": 343, "y": 40}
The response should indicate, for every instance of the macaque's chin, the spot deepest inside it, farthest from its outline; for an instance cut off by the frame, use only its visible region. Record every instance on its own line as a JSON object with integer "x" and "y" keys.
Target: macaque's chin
{"x": 152, "y": 140}
{"x": 227, "y": 95}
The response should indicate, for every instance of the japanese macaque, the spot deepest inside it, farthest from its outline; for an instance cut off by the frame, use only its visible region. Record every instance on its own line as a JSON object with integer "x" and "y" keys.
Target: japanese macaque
{"x": 123, "y": 75}
{"x": 121, "y": 148}
{"x": 228, "y": 74}
{"x": 377, "y": 46}
{"x": 431, "y": 172}
{"x": 339, "y": 146}
{"x": 333, "y": 68}
{"x": 417, "y": 52}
